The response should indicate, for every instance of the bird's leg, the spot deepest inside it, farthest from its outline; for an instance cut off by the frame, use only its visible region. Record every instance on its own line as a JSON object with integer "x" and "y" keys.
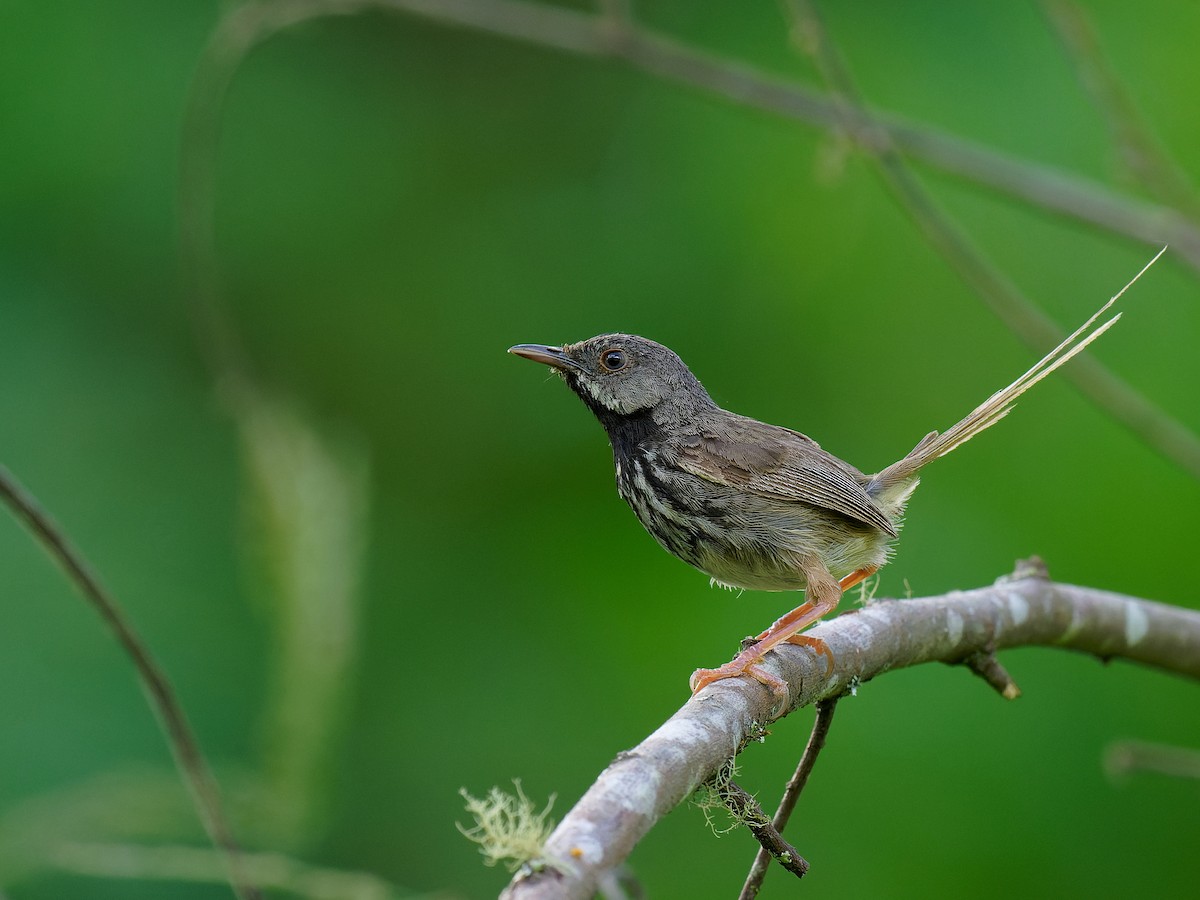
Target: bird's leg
{"x": 856, "y": 577}
{"x": 821, "y": 598}
{"x": 816, "y": 644}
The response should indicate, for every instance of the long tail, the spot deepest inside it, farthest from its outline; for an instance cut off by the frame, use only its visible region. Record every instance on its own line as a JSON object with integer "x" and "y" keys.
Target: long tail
{"x": 997, "y": 406}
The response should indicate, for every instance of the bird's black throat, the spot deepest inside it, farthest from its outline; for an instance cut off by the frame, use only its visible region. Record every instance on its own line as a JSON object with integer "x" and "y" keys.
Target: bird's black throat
{"x": 637, "y": 441}
{"x": 626, "y": 431}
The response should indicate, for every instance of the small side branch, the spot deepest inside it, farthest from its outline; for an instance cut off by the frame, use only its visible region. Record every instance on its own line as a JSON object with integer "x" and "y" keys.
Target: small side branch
{"x": 746, "y": 809}
{"x": 643, "y": 785}
{"x": 984, "y": 664}
{"x": 791, "y": 793}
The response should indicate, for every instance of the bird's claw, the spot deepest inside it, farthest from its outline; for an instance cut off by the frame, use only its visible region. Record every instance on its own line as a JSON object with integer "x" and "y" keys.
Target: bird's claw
{"x": 818, "y": 647}
{"x": 702, "y": 678}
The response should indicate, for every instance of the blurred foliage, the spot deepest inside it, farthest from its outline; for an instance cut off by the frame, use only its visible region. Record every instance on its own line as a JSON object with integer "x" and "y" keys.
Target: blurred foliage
{"x": 399, "y": 202}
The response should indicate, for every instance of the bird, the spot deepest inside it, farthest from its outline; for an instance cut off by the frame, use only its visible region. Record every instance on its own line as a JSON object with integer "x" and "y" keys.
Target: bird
{"x": 752, "y": 505}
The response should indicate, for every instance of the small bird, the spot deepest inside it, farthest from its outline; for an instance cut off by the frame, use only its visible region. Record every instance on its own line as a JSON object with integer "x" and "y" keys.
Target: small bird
{"x": 754, "y": 505}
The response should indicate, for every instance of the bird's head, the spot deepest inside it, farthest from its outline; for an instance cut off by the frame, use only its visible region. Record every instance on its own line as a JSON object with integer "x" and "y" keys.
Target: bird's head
{"x": 620, "y": 375}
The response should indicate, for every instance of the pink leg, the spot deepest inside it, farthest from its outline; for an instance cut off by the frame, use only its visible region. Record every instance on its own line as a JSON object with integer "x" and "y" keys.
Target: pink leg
{"x": 816, "y": 644}
{"x": 823, "y": 593}
{"x": 856, "y": 577}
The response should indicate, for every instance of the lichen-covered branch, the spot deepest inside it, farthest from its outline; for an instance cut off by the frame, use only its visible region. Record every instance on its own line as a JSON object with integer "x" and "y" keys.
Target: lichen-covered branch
{"x": 643, "y": 784}
{"x": 745, "y": 808}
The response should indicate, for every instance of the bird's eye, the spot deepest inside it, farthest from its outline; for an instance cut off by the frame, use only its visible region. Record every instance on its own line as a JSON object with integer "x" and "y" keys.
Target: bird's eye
{"x": 613, "y": 360}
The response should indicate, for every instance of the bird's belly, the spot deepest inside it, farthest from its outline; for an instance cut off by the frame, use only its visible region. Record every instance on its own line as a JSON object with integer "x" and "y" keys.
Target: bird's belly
{"x": 774, "y": 567}
{"x": 741, "y": 540}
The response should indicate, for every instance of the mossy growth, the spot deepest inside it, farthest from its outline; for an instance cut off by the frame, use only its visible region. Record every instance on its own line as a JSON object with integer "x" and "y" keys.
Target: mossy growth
{"x": 508, "y": 828}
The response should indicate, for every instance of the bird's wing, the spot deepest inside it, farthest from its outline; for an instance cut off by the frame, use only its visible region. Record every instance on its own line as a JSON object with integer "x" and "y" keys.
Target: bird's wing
{"x": 781, "y": 464}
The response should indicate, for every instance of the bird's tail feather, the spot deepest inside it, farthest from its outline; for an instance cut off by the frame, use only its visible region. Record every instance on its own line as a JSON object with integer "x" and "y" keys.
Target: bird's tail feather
{"x": 997, "y": 406}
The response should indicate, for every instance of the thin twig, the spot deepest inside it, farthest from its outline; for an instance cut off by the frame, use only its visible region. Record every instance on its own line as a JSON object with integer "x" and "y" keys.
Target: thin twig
{"x": 1109, "y": 392}
{"x": 984, "y": 664}
{"x": 745, "y": 808}
{"x": 619, "y": 13}
{"x": 184, "y": 746}
{"x": 791, "y": 793}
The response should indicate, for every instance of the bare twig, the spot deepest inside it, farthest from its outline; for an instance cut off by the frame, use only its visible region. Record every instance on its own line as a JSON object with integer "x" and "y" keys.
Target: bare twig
{"x": 186, "y": 749}
{"x": 984, "y": 664}
{"x": 1109, "y": 392}
{"x": 746, "y": 809}
{"x": 791, "y": 793}
{"x": 619, "y": 13}
{"x": 642, "y": 785}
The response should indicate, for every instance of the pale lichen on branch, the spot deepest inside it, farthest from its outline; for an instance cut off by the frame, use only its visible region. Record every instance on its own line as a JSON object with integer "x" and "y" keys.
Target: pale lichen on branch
{"x": 508, "y": 827}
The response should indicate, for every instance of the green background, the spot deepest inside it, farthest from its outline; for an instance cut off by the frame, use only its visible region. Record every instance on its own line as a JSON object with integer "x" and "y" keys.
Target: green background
{"x": 397, "y": 204}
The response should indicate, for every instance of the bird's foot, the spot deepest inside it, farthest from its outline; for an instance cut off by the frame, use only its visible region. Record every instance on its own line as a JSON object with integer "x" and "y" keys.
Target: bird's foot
{"x": 824, "y": 592}
{"x": 745, "y": 663}
{"x": 818, "y": 647}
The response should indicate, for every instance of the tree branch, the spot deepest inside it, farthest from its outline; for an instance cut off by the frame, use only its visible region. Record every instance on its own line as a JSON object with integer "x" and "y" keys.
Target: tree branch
{"x": 640, "y": 786}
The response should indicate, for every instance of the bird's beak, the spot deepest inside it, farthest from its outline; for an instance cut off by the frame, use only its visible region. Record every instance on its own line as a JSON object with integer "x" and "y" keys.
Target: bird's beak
{"x": 541, "y": 353}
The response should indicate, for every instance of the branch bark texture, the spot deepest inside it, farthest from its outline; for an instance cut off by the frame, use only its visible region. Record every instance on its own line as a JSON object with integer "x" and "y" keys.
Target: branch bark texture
{"x": 642, "y": 785}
